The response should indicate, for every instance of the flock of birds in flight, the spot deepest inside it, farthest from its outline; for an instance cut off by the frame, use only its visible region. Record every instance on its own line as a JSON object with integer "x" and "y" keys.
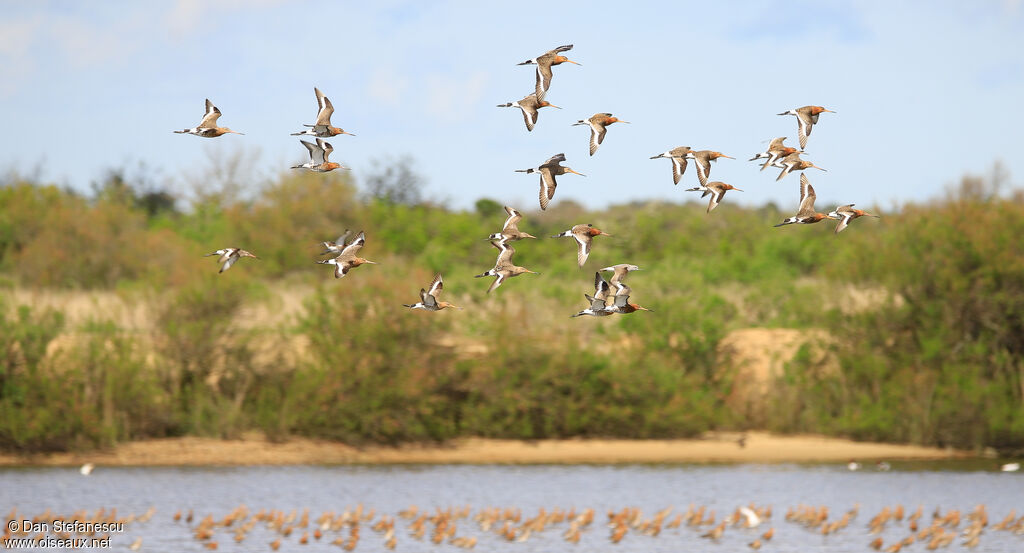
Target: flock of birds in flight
{"x": 892, "y": 529}
{"x": 609, "y": 297}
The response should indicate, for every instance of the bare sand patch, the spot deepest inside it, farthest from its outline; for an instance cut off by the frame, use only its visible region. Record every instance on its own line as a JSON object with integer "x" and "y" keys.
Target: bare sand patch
{"x": 760, "y": 447}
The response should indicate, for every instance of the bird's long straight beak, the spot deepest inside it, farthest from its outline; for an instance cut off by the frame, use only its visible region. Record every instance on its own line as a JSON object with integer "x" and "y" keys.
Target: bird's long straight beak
{"x": 573, "y": 62}
{"x": 737, "y": 189}
{"x": 576, "y": 173}
{"x": 816, "y": 167}
{"x": 550, "y": 105}
{"x": 348, "y": 133}
{"x": 727, "y": 157}
{"x": 603, "y": 233}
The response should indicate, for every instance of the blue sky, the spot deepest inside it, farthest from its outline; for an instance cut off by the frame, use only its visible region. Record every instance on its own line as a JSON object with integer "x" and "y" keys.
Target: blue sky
{"x": 925, "y": 92}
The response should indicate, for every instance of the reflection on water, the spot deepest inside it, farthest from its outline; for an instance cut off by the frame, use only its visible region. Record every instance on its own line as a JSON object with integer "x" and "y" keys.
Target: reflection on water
{"x": 387, "y": 490}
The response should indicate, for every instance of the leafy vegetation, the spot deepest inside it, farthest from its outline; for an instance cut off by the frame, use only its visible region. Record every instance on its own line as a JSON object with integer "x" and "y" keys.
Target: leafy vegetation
{"x": 924, "y": 307}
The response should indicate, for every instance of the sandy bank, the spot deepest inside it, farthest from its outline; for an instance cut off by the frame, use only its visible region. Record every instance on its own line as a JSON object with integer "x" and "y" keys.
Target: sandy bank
{"x": 254, "y": 450}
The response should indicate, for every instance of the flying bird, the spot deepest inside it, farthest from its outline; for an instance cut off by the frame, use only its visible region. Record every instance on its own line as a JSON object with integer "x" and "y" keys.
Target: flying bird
{"x": 338, "y": 244}
{"x": 598, "y": 302}
{"x": 702, "y": 159}
{"x": 791, "y": 163}
{"x": 322, "y": 128}
{"x": 529, "y": 107}
{"x": 806, "y": 214}
{"x": 544, "y": 63}
{"x": 678, "y": 157}
{"x": 548, "y": 171}
{"x": 775, "y": 152}
{"x": 503, "y": 269}
{"x": 208, "y": 128}
{"x": 845, "y": 214}
{"x": 318, "y": 154}
{"x": 348, "y": 259}
{"x": 428, "y": 298}
{"x": 584, "y": 235}
{"x": 806, "y": 118}
{"x": 717, "y": 191}
{"x": 598, "y": 123}
{"x": 510, "y": 230}
{"x": 228, "y": 257}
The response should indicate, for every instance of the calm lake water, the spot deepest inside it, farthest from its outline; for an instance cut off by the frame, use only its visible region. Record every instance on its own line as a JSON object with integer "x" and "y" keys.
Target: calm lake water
{"x": 650, "y": 488}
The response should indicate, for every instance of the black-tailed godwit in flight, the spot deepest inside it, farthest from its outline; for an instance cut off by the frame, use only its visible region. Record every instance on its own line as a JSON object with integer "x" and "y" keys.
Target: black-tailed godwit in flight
{"x": 207, "y": 128}
{"x": 548, "y": 171}
{"x": 598, "y": 124}
{"x": 806, "y": 117}
{"x": 544, "y": 63}
{"x": 584, "y": 235}
{"x": 322, "y": 128}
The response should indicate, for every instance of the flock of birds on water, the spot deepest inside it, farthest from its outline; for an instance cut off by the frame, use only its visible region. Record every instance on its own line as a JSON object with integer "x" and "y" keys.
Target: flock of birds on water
{"x": 610, "y": 297}
{"x": 892, "y": 528}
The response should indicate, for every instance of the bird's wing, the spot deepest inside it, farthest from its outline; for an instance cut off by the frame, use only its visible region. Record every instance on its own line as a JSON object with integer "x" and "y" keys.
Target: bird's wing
{"x": 583, "y": 250}
{"x": 324, "y": 150}
{"x": 716, "y": 196}
{"x": 703, "y": 169}
{"x": 210, "y": 117}
{"x": 355, "y": 245}
{"x": 807, "y": 196}
{"x": 313, "y": 150}
{"x": 845, "y": 218}
{"x": 436, "y": 286}
{"x": 428, "y": 299}
{"x": 501, "y": 276}
{"x": 678, "y": 168}
{"x": 529, "y": 116}
{"x": 229, "y": 262}
{"x": 513, "y": 219}
{"x": 323, "y": 116}
{"x": 597, "y": 133}
{"x": 341, "y": 268}
{"x": 505, "y": 253}
{"x": 601, "y": 286}
{"x": 805, "y": 125}
{"x": 554, "y": 160}
{"x": 547, "y": 186}
{"x": 543, "y": 78}
{"x": 621, "y": 299}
